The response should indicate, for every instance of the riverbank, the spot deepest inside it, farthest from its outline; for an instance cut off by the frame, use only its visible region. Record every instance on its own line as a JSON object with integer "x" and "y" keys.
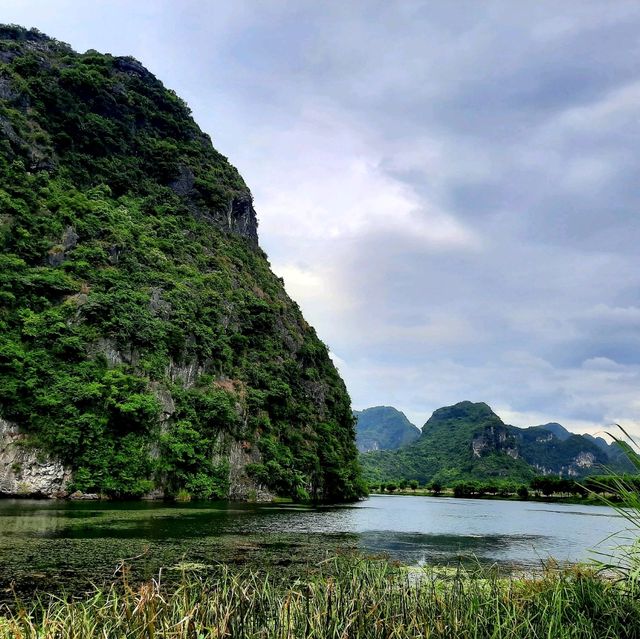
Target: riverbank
{"x": 356, "y": 599}
{"x": 589, "y": 500}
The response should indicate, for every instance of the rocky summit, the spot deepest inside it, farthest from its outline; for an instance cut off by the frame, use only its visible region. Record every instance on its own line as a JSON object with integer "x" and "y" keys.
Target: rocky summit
{"x": 146, "y": 348}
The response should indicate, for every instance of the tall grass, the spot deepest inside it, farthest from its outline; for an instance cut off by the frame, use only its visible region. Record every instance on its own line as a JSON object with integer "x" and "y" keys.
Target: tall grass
{"x": 623, "y": 497}
{"x": 367, "y": 599}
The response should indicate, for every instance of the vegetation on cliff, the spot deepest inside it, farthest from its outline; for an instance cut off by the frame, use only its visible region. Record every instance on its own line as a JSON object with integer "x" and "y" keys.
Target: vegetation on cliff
{"x": 144, "y": 340}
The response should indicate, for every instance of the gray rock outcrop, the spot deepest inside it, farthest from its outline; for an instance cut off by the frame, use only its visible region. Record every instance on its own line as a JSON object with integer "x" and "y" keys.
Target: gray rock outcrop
{"x": 26, "y": 471}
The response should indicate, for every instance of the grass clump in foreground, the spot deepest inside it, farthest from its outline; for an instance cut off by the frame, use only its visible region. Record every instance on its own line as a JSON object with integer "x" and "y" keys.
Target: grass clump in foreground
{"x": 371, "y": 599}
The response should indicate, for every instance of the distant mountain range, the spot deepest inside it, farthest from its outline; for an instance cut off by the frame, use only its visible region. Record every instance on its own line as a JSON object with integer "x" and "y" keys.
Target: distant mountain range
{"x": 469, "y": 441}
{"x": 383, "y": 428}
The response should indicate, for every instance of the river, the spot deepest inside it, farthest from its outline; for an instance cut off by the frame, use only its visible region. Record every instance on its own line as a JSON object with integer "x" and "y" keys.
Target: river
{"x": 49, "y": 545}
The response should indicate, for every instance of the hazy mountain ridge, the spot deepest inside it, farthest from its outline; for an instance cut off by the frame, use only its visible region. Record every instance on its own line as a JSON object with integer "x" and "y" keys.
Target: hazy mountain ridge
{"x": 553, "y": 427}
{"x": 383, "y": 428}
{"x": 469, "y": 441}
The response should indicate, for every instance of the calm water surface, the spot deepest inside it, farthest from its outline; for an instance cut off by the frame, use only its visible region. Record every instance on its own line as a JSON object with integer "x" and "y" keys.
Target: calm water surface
{"x": 70, "y": 544}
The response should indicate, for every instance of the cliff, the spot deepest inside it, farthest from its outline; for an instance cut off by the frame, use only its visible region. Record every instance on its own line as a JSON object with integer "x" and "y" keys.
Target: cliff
{"x": 146, "y": 348}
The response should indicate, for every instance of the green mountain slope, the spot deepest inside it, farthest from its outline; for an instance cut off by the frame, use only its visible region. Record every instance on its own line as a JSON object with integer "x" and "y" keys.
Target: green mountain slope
{"x": 145, "y": 344}
{"x": 469, "y": 441}
{"x": 383, "y": 428}
{"x": 618, "y": 459}
{"x": 458, "y": 442}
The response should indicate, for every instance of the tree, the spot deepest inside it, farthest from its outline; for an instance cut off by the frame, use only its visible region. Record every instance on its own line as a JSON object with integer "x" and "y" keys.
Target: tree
{"x": 505, "y": 489}
{"x": 413, "y": 484}
{"x": 465, "y": 489}
{"x": 391, "y": 487}
{"x": 578, "y": 489}
{"x": 523, "y": 492}
{"x": 435, "y": 487}
{"x": 546, "y": 485}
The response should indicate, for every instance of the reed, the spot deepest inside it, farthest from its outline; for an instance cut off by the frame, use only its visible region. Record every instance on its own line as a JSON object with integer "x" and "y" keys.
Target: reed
{"x": 359, "y": 599}
{"x": 623, "y": 561}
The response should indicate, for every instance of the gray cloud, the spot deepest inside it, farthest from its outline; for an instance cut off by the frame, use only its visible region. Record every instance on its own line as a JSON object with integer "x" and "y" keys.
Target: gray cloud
{"x": 448, "y": 189}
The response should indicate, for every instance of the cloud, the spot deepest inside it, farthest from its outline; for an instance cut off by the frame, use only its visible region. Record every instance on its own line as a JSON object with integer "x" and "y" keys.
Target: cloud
{"x": 325, "y": 183}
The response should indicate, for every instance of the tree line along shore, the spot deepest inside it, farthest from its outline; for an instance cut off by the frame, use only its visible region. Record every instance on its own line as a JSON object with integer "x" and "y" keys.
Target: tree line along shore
{"x": 588, "y": 490}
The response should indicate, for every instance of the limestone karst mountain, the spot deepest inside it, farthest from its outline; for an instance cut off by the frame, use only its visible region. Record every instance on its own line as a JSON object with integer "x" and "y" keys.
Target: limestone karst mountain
{"x": 383, "y": 428}
{"x": 469, "y": 441}
{"x": 146, "y": 348}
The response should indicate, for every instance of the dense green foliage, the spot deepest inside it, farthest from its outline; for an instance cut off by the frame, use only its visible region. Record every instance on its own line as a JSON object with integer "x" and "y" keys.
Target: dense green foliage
{"x": 363, "y": 600}
{"x": 139, "y": 341}
{"x": 469, "y": 442}
{"x": 594, "y": 488}
{"x": 383, "y": 428}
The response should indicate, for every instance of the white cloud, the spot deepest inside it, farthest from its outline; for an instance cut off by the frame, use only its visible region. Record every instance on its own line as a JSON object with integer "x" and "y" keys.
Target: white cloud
{"x": 602, "y": 364}
{"x": 323, "y": 181}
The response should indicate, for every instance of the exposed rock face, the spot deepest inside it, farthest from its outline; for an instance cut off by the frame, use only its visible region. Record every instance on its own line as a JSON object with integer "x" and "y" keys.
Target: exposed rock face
{"x": 186, "y": 373}
{"x": 579, "y": 465}
{"x": 132, "y": 66}
{"x": 69, "y": 238}
{"x": 242, "y": 487}
{"x": 494, "y": 438}
{"x": 584, "y": 460}
{"x": 69, "y": 241}
{"x": 114, "y": 356}
{"x": 26, "y": 471}
{"x": 240, "y": 217}
{"x": 183, "y": 184}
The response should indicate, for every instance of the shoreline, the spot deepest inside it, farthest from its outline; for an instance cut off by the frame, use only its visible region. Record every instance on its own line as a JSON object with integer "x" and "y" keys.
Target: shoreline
{"x": 581, "y": 501}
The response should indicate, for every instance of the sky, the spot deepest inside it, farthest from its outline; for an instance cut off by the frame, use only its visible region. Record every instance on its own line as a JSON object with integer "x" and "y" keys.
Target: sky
{"x": 449, "y": 189}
